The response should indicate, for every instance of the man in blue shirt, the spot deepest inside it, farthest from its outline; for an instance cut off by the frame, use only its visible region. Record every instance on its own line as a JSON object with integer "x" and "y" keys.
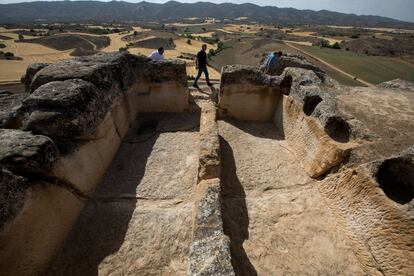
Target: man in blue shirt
{"x": 271, "y": 59}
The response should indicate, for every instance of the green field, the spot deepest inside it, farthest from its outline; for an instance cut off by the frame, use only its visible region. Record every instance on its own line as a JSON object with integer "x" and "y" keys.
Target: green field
{"x": 372, "y": 69}
{"x": 248, "y": 53}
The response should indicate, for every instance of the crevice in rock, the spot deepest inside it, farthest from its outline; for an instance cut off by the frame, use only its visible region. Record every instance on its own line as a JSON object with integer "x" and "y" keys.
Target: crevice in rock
{"x": 396, "y": 179}
{"x": 338, "y": 129}
{"x": 310, "y": 103}
{"x": 286, "y": 84}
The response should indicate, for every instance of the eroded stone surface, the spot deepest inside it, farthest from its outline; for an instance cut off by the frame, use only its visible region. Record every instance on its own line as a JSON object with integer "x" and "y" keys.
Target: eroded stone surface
{"x": 31, "y": 71}
{"x": 12, "y": 195}
{"x": 292, "y": 61}
{"x": 10, "y": 111}
{"x": 139, "y": 220}
{"x": 275, "y": 217}
{"x": 23, "y": 152}
{"x": 72, "y": 108}
{"x": 398, "y": 84}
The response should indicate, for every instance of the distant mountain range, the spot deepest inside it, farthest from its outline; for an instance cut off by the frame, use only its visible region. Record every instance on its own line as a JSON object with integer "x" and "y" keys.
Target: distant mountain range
{"x": 84, "y": 11}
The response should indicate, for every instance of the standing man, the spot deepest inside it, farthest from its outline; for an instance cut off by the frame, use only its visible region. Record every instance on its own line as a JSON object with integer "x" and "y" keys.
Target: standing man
{"x": 271, "y": 59}
{"x": 201, "y": 66}
{"x": 157, "y": 55}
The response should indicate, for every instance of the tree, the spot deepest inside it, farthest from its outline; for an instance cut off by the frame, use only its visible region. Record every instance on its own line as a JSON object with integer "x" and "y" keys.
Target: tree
{"x": 336, "y": 46}
{"x": 135, "y": 33}
{"x": 189, "y": 41}
{"x": 21, "y": 37}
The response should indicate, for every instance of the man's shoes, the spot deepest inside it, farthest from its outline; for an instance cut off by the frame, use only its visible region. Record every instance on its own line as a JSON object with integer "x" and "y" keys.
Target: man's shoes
{"x": 195, "y": 86}
{"x": 210, "y": 84}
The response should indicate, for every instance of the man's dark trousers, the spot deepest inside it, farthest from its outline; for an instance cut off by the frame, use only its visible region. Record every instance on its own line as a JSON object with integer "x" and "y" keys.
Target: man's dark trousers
{"x": 200, "y": 71}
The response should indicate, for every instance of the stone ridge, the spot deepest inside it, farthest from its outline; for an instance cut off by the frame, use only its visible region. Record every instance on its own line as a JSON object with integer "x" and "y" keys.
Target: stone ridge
{"x": 57, "y": 141}
{"x": 398, "y": 84}
{"x": 210, "y": 249}
{"x": 295, "y": 61}
{"x": 70, "y": 109}
{"x": 24, "y": 153}
{"x": 306, "y": 84}
{"x": 231, "y": 74}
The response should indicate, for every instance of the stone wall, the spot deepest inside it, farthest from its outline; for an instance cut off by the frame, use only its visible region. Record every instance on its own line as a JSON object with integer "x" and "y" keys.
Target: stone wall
{"x": 210, "y": 249}
{"x": 248, "y": 94}
{"x": 364, "y": 180}
{"x": 58, "y": 141}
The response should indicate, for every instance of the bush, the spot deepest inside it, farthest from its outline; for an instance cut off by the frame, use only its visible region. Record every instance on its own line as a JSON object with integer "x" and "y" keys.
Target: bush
{"x": 336, "y": 46}
{"x": 189, "y": 41}
{"x": 2, "y": 45}
{"x": 355, "y": 36}
{"x": 21, "y": 37}
{"x": 123, "y": 49}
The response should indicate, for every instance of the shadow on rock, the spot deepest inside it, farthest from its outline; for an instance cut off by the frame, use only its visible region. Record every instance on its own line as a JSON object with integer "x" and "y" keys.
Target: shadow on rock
{"x": 234, "y": 212}
{"x": 103, "y": 223}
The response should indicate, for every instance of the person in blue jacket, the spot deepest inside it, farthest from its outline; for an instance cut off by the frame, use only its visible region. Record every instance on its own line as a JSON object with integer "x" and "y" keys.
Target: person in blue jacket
{"x": 271, "y": 59}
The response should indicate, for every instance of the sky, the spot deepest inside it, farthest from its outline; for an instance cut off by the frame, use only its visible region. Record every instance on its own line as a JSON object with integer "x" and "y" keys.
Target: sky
{"x": 399, "y": 9}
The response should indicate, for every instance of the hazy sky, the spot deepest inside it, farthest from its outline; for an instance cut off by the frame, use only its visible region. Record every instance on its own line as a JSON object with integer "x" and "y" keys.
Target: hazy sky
{"x": 400, "y": 9}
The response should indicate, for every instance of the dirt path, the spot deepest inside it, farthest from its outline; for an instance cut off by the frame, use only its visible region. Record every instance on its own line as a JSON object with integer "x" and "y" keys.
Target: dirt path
{"x": 139, "y": 221}
{"x": 330, "y": 65}
{"x": 277, "y": 221}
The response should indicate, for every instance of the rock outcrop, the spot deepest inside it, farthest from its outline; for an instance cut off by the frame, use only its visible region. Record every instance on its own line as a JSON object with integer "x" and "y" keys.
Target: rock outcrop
{"x": 361, "y": 160}
{"x": 398, "y": 84}
{"x": 57, "y": 142}
{"x": 248, "y": 94}
{"x": 291, "y": 61}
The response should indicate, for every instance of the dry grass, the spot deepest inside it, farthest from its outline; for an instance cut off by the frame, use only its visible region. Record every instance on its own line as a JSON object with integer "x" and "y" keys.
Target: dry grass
{"x": 208, "y": 34}
{"x": 312, "y": 34}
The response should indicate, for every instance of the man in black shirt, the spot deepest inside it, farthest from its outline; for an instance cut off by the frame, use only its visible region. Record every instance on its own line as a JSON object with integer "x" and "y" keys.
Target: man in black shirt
{"x": 201, "y": 66}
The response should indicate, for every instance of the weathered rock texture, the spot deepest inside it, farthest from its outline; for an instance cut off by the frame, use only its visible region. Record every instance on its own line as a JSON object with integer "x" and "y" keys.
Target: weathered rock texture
{"x": 60, "y": 140}
{"x": 398, "y": 84}
{"x": 210, "y": 249}
{"x": 248, "y": 94}
{"x": 10, "y": 112}
{"x": 323, "y": 186}
{"x": 338, "y": 134}
{"x": 292, "y": 61}
{"x": 31, "y": 70}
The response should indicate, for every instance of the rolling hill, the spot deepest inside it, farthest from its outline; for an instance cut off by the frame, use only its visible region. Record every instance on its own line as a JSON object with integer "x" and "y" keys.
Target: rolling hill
{"x": 82, "y": 11}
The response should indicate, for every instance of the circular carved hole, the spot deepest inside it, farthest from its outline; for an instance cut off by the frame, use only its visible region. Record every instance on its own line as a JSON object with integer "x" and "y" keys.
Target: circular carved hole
{"x": 338, "y": 129}
{"x": 396, "y": 178}
{"x": 310, "y": 103}
{"x": 147, "y": 127}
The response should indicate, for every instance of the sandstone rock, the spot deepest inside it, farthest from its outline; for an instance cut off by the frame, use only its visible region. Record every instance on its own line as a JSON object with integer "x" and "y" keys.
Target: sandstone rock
{"x": 210, "y": 250}
{"x": 301, "y": 76}
{"x": 210, "y": 256}
{"x": 12, "y": 194}
{"x": 105, "y": 70}
{"x": 10, "y": 109}
{"x": 232, "y": 74}
{"x": 71, "y": 108}
{"x": 31, "y": 71}
{"x": 209, "y": 160}
{"x": 292, "y": 61}
{"x": 164, "y": 71}
{"x": 248, "y": 94}
{"x": 398, "y": 84}
{"x": 27, "y": 154}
